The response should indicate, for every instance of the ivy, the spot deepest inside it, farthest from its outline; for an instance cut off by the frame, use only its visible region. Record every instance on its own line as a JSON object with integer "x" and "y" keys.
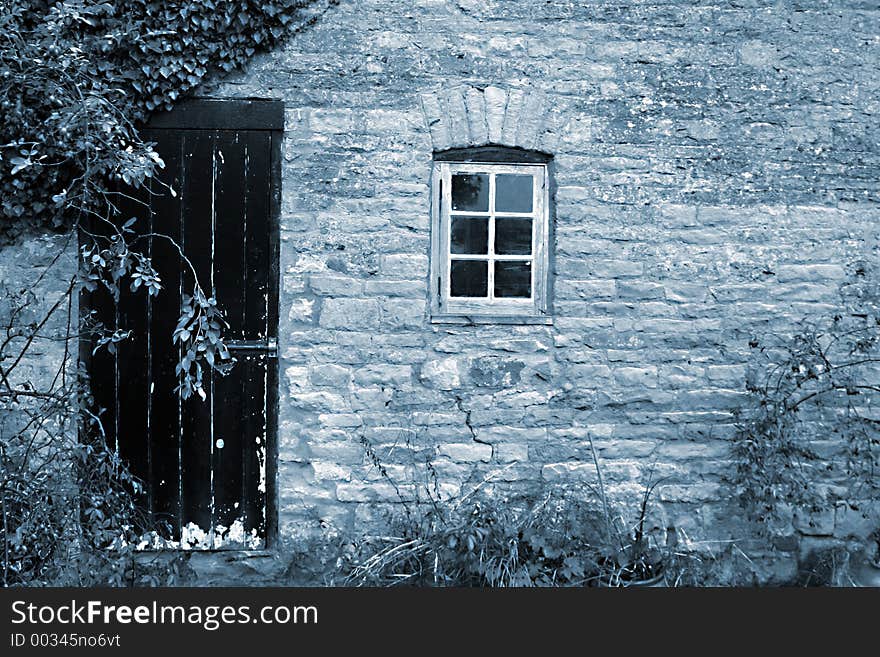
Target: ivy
{"x": 77, "y": 79}
{"x": 198, "y": 333}
{"x": 78, "y": 76}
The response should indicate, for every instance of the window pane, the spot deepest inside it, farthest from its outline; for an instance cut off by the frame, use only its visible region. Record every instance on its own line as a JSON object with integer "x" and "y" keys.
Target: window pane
{"x": 513, "y": 236}
{"x": 513, "y": 279}
{"x": 470, "y": 191}
{"x": 470, "y": 278}
{"x": 513, "y": 193}
{"x": 470, "y": 235}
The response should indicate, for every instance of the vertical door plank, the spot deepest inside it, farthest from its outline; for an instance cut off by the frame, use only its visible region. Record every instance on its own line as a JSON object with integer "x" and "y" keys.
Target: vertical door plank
{"x": 196, "y": 428}
{"x": 270, "y": 464}
{"x": 257, "y": 272}
{"x": 165, "y": 442}
{"x": 230, "y": 283}
{"x": 254, "y": 371}
{"x": 132, "y": 354}
{"x": 257, "y": 252}
{"x": 231, "y": 219}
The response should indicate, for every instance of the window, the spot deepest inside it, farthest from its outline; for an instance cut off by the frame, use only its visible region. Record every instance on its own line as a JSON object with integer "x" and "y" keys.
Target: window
{"x": 490, "y": 236}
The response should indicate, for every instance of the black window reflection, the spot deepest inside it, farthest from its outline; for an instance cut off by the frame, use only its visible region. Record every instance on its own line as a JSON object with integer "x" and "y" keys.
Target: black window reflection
{"x": 470, "y": 192}
{"x": 513, "y": 236}
{"x": 470, "y": 235}
{"x": 513, "y": 279}
{"x": 469, "y": 278}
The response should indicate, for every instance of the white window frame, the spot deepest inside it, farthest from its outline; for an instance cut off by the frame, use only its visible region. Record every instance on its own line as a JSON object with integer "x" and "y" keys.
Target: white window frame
{"x": 448, "y": 309}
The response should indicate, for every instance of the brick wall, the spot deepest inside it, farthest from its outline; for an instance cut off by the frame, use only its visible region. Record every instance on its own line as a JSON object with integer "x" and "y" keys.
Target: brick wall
{"x": 715, "y": 174}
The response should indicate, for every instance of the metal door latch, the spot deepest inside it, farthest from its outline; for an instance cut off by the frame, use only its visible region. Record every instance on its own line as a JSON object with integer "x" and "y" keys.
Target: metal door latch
{"x": 269, "y": 346}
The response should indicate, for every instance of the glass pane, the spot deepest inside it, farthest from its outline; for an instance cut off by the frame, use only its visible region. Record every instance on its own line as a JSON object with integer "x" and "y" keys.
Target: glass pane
{"x": 513, "y": 279}
{"x": 470, "y": 235}
{"x": 513, "y": 236}
{"x": 513, "y": 193}
{"x": 470, "y": 278}
{"x": 470, "y": 191}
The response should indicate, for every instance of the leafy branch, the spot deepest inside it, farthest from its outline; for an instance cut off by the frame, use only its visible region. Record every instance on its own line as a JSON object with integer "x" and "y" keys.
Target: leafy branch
{"x": 77, "y": 80}
{"x": 821, "y": 384}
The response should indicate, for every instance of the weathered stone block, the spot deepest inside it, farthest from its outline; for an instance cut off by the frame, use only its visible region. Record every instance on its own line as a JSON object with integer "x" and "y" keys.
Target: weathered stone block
{"x": 319, "y": 401}
{"x": 301, "y": 310}
{"x": 509, "y": 435}
{"x": 297, "y": 378}
{"x": 384, "y": 374}
{"x": 532, "y": 119}
{"x": 330, "y": 375}
{"x": 639, "y": 290}
{"x": 437, "y": 419}
{"x": 727, "y": 376}
{"x": 689, "y": 493}
{"x": 340, "y": 419}
{"x": 350, "y": 314}
{"x": 403, "y": 265}
{"x": 442, "y": 374}
{"x": 508, "y": 453}
{"x": 457, "y": 118}
{"x": 476, "y": 116}
{"x": 403, "y": 313}
{"x": 495, "y": 371}
{"x": 434, "y": 117}
{"x": 372, "y": 492}
{"x": 759, "y": 54}
{"x": 395, "y": 288}
{"x": 636, "y": 376}
{"x": 496, "y": 104}
{"x": 590, "y": 289}
{"x": 339, "y": 121}
{"x": 335, "y": 286}
{"x": 370, "y": 399}
{"x": 686, "y": 292}
{"x": 809, "y": 273}
{"x": 855, "y": 522}
{"x": 467, "y": 452}
{"x": 625, "y": 446}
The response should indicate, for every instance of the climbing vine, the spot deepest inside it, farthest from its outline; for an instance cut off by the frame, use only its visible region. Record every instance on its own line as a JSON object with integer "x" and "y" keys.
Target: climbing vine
{"x": 77, "y": 76}
{"x": 815, "y": 390}
{"x": 77, "y": 79}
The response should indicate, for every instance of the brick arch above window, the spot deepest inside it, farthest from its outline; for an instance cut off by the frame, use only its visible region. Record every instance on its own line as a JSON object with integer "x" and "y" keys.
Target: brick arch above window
{"x": 467, "y": 116}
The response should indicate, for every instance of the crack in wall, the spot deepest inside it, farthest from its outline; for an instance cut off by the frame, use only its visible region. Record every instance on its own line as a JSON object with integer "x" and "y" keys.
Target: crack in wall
{"x": 467, "y": 421}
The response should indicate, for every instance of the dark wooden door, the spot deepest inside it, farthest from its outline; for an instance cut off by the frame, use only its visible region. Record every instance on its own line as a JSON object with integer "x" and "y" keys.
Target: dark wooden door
{"x": 207, "y": 465}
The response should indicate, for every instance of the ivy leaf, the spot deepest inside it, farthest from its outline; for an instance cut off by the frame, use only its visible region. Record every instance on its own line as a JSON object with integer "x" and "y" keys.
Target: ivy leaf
{"x": 19, "y": 164}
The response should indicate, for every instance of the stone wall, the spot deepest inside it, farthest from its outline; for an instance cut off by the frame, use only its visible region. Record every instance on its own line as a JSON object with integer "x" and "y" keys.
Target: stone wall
{"x": 34, "y": 278}
{"x": 715, "y": 175}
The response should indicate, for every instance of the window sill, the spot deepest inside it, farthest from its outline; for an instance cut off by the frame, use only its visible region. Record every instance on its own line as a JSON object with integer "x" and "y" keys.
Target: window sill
{"x": 470, "y": 320}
